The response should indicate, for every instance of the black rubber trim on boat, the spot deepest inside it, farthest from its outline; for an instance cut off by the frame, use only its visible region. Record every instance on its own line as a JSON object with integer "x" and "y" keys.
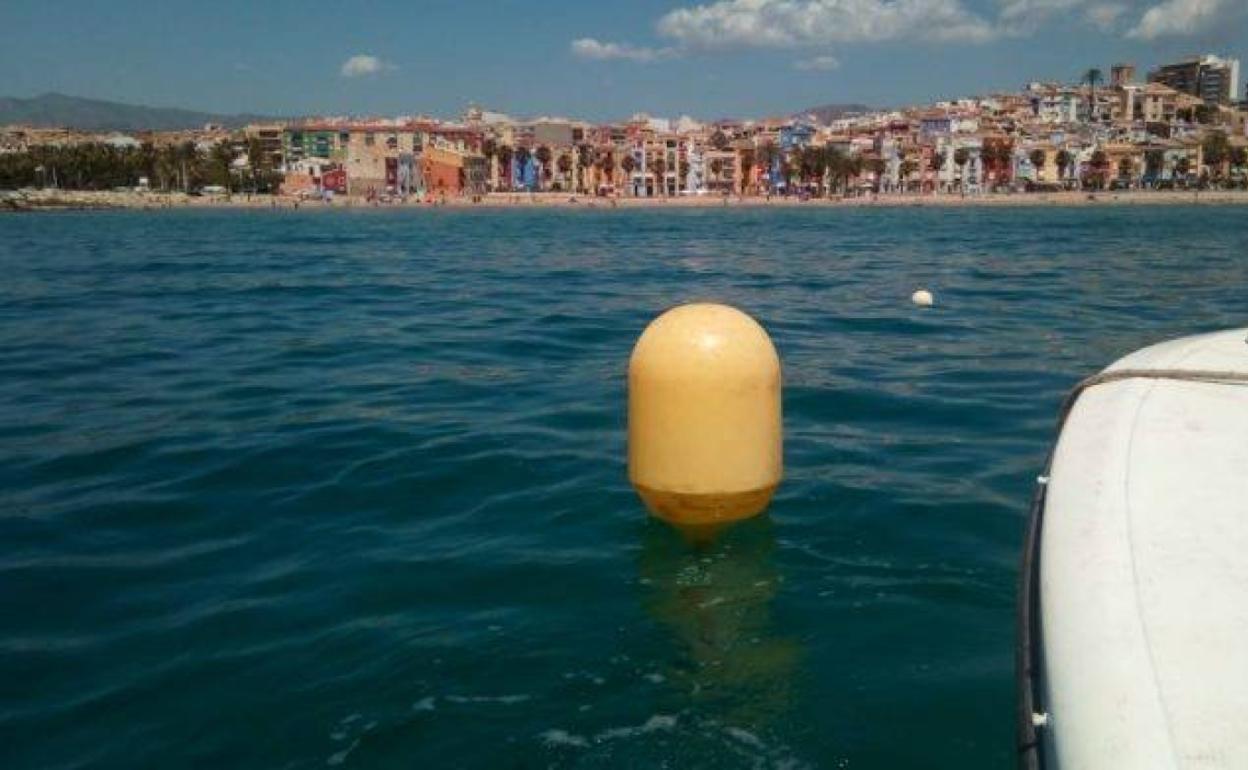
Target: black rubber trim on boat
{"x": 1026, "y": 653}
{"x": 1027, "y": 650}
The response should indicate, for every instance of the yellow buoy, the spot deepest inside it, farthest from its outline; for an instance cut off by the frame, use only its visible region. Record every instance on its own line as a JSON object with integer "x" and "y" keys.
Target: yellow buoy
{"x": 704, "y": 435}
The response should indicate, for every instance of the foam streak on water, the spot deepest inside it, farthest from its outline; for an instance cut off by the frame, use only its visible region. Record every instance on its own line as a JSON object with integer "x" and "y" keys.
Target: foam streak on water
{"x": 289, "y": 490}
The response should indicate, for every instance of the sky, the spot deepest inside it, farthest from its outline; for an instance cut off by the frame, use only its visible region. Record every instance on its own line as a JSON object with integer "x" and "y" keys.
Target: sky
{"x": 592, "y": 59}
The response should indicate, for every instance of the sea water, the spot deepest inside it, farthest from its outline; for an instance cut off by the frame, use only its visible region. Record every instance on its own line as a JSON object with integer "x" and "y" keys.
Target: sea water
{"x": 305, "y": 489}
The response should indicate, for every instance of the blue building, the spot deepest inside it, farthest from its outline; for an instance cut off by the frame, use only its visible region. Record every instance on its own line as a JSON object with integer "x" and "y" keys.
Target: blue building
{"x": 796, "y": 135}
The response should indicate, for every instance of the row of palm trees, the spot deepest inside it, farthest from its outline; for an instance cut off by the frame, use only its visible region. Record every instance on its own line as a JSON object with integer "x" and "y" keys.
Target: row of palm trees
{"x": 1217, "y": 164}
{"x": 1219, "y": 159}
{"x": 1219, "y": 154}
{"x": 593, "y": 165}
{"x": 101, "y": 166}
{"x": 581, "y": 158}
{"x": 818, "y": 170}
{"x": 829, "y": 169}
{"x": 821, "y": 169}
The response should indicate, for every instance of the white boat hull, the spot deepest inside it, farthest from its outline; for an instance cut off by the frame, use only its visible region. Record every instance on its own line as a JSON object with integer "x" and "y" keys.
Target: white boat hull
{"x": 1139, "y": 623}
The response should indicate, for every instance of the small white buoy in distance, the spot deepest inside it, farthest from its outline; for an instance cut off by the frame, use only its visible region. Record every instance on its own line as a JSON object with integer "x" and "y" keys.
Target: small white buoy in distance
{"x": 923, "y": 298}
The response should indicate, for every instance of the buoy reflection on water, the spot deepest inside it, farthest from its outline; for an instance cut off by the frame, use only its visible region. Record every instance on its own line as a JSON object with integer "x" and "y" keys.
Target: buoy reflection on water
{"x": 716, "y": 597}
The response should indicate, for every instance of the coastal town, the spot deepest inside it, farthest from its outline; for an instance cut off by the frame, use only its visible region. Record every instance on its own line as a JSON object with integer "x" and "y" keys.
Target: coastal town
{"x": 1180, "y": 126}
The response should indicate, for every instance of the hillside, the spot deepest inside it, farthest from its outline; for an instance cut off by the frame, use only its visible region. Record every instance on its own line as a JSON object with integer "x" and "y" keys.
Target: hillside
{"x": 58, "y": 110}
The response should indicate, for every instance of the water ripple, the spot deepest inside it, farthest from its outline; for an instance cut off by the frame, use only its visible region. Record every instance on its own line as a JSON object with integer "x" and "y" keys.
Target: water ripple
{"x": 304, "y": 489}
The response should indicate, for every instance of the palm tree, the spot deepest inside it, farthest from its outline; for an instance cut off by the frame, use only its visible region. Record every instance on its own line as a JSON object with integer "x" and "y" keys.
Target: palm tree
{"x": 144, "y": 161}
{"x": 1092, "y": 77}
{"x": 505, "y": 154}
{"x": 961, "y": 157}
{"x": 908, "y": 167}
{"x": 832, "y": 163}
{"x": 1064, "y": 162}
{"x": 1126, "y": 169}
{"x": 659, "y": 167}
{"x": 1038, "y": 160}
{"x": 222, "y": 157}
{"x": 1000, "y": 156}
{"x": 565, "y": 165}
{"x": 989, "y": 157}
{"x": 719, "y": 140}
{"x": 747, "y": 165}
{"x": 1239, "y": 157}
{"x": 823, "y": 166}
{"x": 841, "y": 168}
{"x": 489, "y": 149}
{"x": 876, "y": 167}
{"x": 813, "y": 163}
{"x": 1217, "y": 150}
{"x": 543, "y": 156}
{"x": 166, "y": 167}
{"x": 255, "y": 161}
{"x": 853, "y": 167}
{"x": 628, "y": 163}
{"x": 1183, "y": 167}
{"x": 935, "y": 162}
{"x": 1099, "y": 164}
{"x": 801, "y": 167}
{"x": 606, "y": 164}
{"x": 766, "y": 155}
{"x": 1154, "y": 163}
{"x": 188, "y": 160}
{"x": 584, "y": 161}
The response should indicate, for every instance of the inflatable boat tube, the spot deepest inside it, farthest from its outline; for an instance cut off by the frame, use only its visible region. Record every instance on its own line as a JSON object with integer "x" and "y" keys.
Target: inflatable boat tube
{"x": 1133, "y": 606}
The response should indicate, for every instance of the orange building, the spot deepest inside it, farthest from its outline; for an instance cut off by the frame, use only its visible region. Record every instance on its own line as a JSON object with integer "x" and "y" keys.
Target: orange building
{"x": 446, "y": 170}
{"x": 442, "y": 170}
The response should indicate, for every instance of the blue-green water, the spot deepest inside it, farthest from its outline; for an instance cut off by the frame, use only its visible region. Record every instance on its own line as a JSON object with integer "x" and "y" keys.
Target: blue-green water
{"x": 286, "y": 490}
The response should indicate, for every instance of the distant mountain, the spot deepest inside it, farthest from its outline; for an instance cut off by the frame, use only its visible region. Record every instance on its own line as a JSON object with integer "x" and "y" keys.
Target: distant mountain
{"x": 61, "y": 111}
{"x": 830, "y": 112}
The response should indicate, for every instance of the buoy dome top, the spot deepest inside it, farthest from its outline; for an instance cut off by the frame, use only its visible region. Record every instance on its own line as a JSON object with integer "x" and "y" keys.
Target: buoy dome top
{"x": 705, "y": 340}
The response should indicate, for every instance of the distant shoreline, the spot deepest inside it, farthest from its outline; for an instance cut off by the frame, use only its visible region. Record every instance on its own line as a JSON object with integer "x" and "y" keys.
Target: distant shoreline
{"x": 60, "y": 200}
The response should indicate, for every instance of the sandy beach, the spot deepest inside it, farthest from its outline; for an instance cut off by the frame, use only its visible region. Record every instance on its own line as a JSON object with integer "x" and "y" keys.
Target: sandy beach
{"x": 46, "y": 200}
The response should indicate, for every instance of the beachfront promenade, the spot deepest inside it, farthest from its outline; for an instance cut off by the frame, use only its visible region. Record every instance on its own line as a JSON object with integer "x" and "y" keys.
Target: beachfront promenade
{"x": 50, "y": 200}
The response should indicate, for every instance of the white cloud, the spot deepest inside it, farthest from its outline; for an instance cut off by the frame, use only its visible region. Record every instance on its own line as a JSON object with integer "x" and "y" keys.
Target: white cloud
{"x": 817, "y": 64}
{"x": 812, "y": 25}
{"x": 1022, "y": 17}
{"x": 1105, "y": 16}
{"x": 1178, "y": 17}
{"x": 589, "y": 48}
{"x": 1157, "y": 18}
{"x": 798, "y": 23}
{"x": 361, "y": 65}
